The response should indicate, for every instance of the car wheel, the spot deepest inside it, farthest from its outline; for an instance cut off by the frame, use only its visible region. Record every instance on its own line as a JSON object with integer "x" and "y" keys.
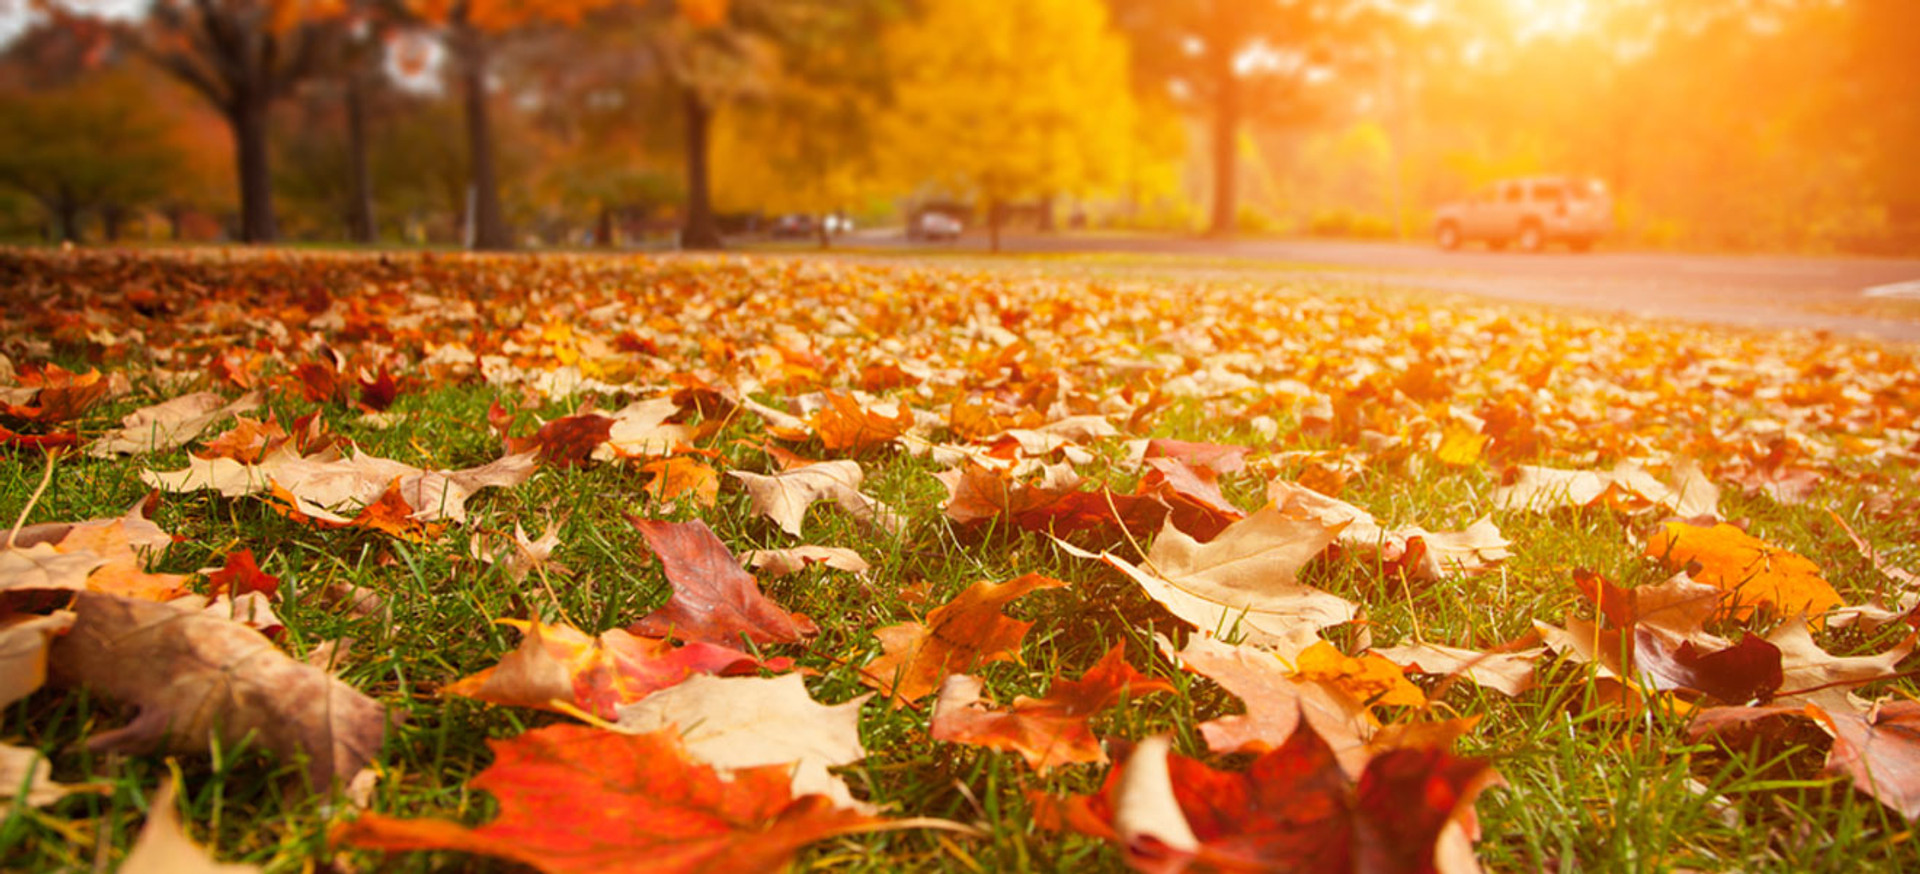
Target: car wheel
{"x": 1448, "y": 236}
{"x": 1532, "y": 239}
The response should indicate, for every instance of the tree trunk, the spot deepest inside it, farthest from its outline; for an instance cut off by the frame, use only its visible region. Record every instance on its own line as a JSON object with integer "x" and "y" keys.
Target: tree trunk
{"x": 994, "y": 215}
{"x": 247, "y": 118}
{"x": 360, "y": 222}
{"x": 1043, "y": 222}
{"x": 66, "y": 220}
{"x": 111, "y": 217}
{"x": 490, "y": 231}
{"x": 700, "y": 231}
{"x": 1226, "y": 136}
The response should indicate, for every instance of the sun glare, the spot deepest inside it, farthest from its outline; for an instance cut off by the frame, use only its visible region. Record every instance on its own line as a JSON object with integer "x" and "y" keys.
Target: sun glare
{"x": 1549, "y": 17}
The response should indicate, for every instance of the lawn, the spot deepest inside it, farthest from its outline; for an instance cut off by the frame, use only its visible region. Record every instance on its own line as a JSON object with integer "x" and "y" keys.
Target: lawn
{"x": 498, "y": 506}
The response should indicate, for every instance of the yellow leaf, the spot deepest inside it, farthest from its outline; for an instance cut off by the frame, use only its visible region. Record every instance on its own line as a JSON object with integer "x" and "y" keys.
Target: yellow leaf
{"x": 1753, "y": 572}
{"x": 1369, "y": 678}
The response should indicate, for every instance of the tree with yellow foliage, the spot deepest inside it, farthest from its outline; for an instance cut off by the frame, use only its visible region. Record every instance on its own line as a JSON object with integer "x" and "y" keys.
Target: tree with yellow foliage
{"x": 1007, "y": 101}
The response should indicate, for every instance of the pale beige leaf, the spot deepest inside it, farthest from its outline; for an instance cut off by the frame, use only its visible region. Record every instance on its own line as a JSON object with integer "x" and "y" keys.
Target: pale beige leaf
{"x": 42, "y": 566}
{"x": 785, "y": 496}
{"x": 1146, "y": 806}
{"x": 1509, "y": 673}
{"x": 1244, "y": 581}
{"x": 1627, "y": 487}
{"x": 641, "y": 430}
{"x": 164, "y": 848}
{"x": 1276, "y": 701}
{"x": 24, "y": 639}
{"x": 170, "y": 423}
{"x": 780, "y": 562}
{"x": 744, "y": 722}
{"x": 1469, "y": 551}
{"x": 1805, "y": 666}
{"x": 19, "y": 767}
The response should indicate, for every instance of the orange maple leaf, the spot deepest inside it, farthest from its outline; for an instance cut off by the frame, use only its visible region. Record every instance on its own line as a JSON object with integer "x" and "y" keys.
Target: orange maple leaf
{"x": 844, "y": 426}
{"x": 1049, "y": 731}
{"x": 1753, "y": 572}
{"x": 956, "y": 638}
{"x": 575, "y": 799}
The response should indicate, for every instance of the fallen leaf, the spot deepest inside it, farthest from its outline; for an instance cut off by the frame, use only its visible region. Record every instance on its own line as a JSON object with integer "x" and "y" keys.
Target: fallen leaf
{"x": 1277, "y": 701}
{"x": 780, "y": 562}
{"x": 1368, "y": 678}
{"x": 1293, "y": 810}
{"x": 24, "y": 639}
{"x": 956, "y": 638}
{"x": 169, "y": 424}
{"x": 325, "y": 486}
{"x": 679, "y": 476}
{"x": 845, "y": 426}
{"x": 785, "y": 496}
{"x": 643, "y": 429}
{"x": 44, "y": 567}
{"x": 1747, "y": 671}
{"x": 1812, "y": 675}
{"x": 1221, "y": 459}
{"x": 581, "y": 800}
{"x": 1046, "y": 732}
{"x": 1244, "y": 581}
{"x": 1753, "y": 572}
{"x": 1470, "y": 551}
{"x": 199, "y": 680}
{"x": 1880, "y": 751}
{"x": 568, "y": 441}
{"x": 241, "y": 575}
{"x": 714, "y": 600}
{"x": 1509, "y": 673}
{"x": 28, "y": 770}
{"x": 747, "y": 722}
{"x": 164, "y": 848}
{"x": 595, "y": 674}
{"x": 1628, "y": 488}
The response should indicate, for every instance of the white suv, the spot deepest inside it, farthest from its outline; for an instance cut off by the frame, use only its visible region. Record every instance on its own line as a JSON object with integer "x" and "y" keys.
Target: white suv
{"x": 1530, "y": 213}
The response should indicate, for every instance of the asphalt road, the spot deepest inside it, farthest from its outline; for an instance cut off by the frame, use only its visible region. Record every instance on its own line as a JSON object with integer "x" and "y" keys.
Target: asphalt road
{"x": 1875, "y": 297}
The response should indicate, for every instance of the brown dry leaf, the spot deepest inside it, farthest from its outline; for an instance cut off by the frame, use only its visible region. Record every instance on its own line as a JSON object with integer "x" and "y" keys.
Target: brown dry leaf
{"x": 196, "y": 678}
{"x": 1753, "y": 572}
{"x": 956, "y": 638}
{"x": 747, "y": 722}
{"x": 1628, "y": 488}
{"x": 780, "y": 562}
{"x": 23, "y": 767}
{"x": 171, "y": 423}
{"x": 522, "y": 555}
{"x": 1509, "y": 673}
{"x": 1276, "y": 701}
{"x": 784, "y": 497}
{"x": 1243, "y": 581}
{"x": 164, "y": 848}
{"x": 24, "y": 639}
{"x": 713, "y": 600}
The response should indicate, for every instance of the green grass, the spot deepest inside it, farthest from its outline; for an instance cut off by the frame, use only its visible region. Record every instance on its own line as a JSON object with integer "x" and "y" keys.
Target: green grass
{"x": 1586, "y": 788}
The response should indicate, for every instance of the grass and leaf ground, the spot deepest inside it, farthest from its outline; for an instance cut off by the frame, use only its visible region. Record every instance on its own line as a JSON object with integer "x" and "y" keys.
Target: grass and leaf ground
{"x": 1415, "y": 408}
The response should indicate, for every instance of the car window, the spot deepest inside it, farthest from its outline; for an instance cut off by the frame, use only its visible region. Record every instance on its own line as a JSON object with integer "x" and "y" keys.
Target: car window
{"x": 1514, "y": 193}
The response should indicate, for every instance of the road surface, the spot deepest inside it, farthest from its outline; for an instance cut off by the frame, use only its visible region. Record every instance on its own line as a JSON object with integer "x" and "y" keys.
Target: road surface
{"x": 1876, "y": 297}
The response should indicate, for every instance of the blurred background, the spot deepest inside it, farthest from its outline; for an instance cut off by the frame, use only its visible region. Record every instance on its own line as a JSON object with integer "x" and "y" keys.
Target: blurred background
{"x": 1717, "y": 125}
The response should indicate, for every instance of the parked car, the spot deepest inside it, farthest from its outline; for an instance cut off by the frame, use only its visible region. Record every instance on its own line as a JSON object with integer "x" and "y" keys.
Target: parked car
{"x": 934, "y": 225}
{"x": 793, "y": 225}
{"x": 1530, "y": 213}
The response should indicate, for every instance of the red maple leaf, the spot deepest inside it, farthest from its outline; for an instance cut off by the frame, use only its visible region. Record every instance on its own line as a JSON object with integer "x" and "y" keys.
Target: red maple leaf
{"x": 1293, "y": 810}
{"x": 565, "y": 442}
{"x": 714, "y": 600}
{"x": 240, "y": 576}
{"x": 575, "y": 799}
